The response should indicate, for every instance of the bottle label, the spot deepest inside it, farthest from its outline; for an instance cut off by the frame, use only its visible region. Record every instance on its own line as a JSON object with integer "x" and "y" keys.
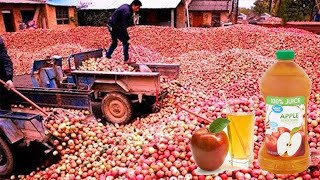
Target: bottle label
{"x": 285, "y": 126}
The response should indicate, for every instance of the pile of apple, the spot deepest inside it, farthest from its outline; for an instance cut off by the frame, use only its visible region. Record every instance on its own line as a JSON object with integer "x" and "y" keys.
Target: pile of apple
{"x": 273, "y": 20}
{"x": 158, "y": 146}
{"x": 105, "y": 64}
{"x": 234, "y": 70}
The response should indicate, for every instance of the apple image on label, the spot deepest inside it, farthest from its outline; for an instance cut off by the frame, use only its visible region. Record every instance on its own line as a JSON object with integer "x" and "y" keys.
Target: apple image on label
{"x": 290, "y": 145}
{"x": 272, "y": 139}
{"x": 271, "y": 143}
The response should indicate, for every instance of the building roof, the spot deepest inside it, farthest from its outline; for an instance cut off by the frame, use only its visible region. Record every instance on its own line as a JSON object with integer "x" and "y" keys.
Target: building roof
{"x": 210, "y": 5}
{"x": 63, "y": 2}
{"x": 22, "y": 1}
{"x": 146, "y": 4}
{"x": 50, "y": 2}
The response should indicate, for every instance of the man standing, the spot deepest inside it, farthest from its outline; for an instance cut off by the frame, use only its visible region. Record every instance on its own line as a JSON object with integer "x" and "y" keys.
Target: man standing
{"x": 118, "y": 23}
{"x": 6, "y": 74}
{"x": 316, "y": 17}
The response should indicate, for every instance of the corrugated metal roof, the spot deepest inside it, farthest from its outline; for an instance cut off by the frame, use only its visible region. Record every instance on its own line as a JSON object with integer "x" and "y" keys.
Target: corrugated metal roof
{"x": 146, "y": 4}
{"x": 210, "y": 5}
{"x": 21, "y": 2}
{"x": 63, "y": 2}
{"x": 51, "y": 2}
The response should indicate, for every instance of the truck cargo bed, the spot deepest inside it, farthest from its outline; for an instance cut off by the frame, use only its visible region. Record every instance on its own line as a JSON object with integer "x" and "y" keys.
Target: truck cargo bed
{"x": 63, "y": 98}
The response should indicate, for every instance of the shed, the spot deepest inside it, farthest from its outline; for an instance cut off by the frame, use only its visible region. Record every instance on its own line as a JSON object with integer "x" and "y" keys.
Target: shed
{"x": 209, "y": 13}
{"x": 53, "y": 14}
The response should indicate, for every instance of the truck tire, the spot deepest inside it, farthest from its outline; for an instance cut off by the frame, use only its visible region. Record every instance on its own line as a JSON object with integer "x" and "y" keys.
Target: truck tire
{"x": 6, "y": 159}
{"x": 116, "y": 108}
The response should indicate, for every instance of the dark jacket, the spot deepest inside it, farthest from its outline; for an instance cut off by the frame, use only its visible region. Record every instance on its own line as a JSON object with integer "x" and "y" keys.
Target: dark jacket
{"x": 6, "y": 66}
{"x": 316, "y": 17}
{"x": 121, "y": 19}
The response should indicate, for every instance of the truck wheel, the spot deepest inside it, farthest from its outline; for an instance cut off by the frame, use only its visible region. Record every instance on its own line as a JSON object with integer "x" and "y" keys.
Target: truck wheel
{"x": 6, "y": 159}
{"x": 116, "y": 108}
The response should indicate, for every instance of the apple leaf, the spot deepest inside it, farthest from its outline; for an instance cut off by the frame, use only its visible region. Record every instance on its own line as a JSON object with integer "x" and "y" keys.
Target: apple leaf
{"x": 294, "y": 130}
{"x": 218, "y": 125}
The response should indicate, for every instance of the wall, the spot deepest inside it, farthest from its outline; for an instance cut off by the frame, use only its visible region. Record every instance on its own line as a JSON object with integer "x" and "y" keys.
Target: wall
{"x": 52, "y": 20}
{"x": 196, "y": 19}
{"x": 181, "y": 16}
{"x": 2, "y": 27}
{"x": 313, "y": 27}
{"x": 150, "y": 17}
{"x": 224, "y": 17}
{"x": 207, "y": 19}
{"x": 204, "y": 18}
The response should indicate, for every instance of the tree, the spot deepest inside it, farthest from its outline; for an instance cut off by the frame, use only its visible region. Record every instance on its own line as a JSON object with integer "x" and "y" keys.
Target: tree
{"x": 83, "y": 4}
{"x": 245, "y": 10}
{"x": 93, "y": 17}
{"x": 295, "y": 10}
{"x": 261, "y": 6}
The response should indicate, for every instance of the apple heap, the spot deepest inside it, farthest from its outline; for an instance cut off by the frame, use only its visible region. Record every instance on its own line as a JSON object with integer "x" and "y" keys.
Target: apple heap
{"x": 105, "y": 64}
{"x": 205, "y": 56}
{"x": 162, "y": 138}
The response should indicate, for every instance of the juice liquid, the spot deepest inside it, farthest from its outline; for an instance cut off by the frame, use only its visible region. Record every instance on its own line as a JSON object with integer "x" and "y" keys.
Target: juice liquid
{"x": 286, "y": 90}
{"x": 241, "y": 128}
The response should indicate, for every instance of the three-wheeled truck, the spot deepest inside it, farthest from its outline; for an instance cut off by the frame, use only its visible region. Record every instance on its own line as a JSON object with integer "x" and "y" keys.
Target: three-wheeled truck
{"x": 116, "y": 91}
{"x": 51, "y": 86}
{"x": 18, "y": 129}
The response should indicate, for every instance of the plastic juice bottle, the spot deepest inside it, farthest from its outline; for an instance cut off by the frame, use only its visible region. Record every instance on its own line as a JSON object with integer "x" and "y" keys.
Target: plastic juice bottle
{"x": 285, "y": 88}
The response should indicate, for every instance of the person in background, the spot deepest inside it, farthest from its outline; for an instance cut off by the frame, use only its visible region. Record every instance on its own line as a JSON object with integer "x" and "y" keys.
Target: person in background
{"x": 6, "y": 74}
{"x": 316, "y": 17}
{"x": 120, "y": 20}
{"x": 31, "y": 24}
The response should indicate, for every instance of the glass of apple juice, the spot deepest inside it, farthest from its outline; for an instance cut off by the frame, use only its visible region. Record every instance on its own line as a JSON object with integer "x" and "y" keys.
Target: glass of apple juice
{"x": 240, "y": 133}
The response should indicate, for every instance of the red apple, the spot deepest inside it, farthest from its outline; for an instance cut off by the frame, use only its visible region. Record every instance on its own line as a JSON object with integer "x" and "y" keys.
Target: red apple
{"x": 271, "y": 144}
{"x": 275, "y": 134}
{"x": 209, "y": 149}
{"x": 282, "y": 130}
{"x": 301, "y": 149}
{"x": 271, "y": 140}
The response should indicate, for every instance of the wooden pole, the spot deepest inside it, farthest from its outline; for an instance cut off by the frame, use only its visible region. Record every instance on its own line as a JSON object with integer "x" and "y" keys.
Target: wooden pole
{"x": 25, "y": 98}
{"x": 204, "y": 119}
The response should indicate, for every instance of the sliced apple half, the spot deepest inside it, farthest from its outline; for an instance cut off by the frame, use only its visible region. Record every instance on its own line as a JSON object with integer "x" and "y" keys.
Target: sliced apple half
{"x": 289, "y": 144}
{"x": 295, "y": 144}
{"x": 283, "y": 143}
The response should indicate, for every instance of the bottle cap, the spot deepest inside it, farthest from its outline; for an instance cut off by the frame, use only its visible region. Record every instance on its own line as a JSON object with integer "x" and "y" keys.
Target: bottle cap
{"x": 285, "y": 54}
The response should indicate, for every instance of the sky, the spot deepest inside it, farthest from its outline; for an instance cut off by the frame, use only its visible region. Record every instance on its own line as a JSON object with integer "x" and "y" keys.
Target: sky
{"x": 246, "y": 3}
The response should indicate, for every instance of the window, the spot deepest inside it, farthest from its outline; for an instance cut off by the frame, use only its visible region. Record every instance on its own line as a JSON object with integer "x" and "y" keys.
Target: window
{"x": 62, "y": 14}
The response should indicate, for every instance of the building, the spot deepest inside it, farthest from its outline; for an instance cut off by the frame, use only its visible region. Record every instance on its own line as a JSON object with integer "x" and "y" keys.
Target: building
{"x": 209, "y": 13}
{"x": 153, "y": 12}
{"x": 242, "y": 17}
{"x": 47, "y": 14}
{"x": 174, "y": 13}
